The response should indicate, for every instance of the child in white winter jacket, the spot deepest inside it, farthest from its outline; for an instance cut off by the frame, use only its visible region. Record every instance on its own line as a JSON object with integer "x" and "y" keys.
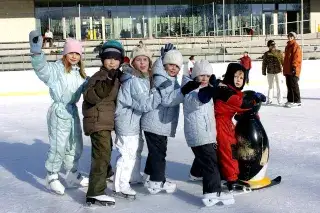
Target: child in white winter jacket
{"x": 66, "y": 81}
{"x": 135, "y": 97}
{"x": 161, "y": 123}
{"x": 200, "y": 134}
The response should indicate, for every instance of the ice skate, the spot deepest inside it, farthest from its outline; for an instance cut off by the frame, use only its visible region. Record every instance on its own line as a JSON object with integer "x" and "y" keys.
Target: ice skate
{"x": 293, "y": 105}
{"x": 53, "y": 184}
{"x": 75, "y": 179}
{"x": 194, "y": 178}
{"x": 156, "y": 187}
{"x": 103, "y": 200}
{"x": 288, "y": 104}
{"x": 211, "y": 199}
{"x": 237, "y": 185}
{"x": 127, "y": 193}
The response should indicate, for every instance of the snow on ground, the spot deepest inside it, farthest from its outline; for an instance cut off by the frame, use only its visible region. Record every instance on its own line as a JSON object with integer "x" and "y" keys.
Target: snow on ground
{"x": 294, "y": 136}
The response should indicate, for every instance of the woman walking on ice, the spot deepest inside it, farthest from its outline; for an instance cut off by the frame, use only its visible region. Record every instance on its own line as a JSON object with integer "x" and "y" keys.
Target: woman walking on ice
{"x": 66, "y": 79}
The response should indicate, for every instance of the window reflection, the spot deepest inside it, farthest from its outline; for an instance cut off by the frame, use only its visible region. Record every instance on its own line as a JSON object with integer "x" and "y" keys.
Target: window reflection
{"x": 104, "y": 19}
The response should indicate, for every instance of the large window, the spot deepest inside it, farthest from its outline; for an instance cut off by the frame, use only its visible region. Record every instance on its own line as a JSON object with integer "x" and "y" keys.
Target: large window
{"x": 159, "y": 18}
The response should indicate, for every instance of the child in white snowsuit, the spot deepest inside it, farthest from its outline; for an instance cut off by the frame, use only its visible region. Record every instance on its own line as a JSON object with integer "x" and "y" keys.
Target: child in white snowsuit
{"x": 161, "y": 123}
{"x": 200, "y": 134}
{"x": 66, "y": 80}
{"x": 134, "y": 98}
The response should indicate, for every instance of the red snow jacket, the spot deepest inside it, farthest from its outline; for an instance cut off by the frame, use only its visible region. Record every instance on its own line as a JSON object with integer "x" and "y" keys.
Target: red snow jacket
{"x": 246, "y": 62}
{"x": 229, "y": 101}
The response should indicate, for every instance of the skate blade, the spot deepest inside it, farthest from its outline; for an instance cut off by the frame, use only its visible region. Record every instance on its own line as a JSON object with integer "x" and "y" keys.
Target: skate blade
{"x": 124, "y": 196}
{"x": 91, "y": 201}
{"x": 210, "y": 202}
{"x": 54, "y": 192}
{"x": 213, "y": 202}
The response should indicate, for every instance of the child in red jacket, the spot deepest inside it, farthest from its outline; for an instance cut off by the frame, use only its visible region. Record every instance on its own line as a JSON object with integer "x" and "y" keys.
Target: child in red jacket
{"x": 229, "y": 100}
{"x": 245, "y": 61}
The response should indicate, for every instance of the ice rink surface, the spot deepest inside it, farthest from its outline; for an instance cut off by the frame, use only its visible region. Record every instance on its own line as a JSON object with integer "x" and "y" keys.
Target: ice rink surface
{"x": 294, "y": 136}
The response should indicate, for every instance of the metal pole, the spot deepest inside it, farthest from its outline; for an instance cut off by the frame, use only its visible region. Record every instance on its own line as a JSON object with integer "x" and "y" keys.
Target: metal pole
{"x": 224, "y": 32}
{"x": 302, "y": 28}
{"x": 213, "y": 19}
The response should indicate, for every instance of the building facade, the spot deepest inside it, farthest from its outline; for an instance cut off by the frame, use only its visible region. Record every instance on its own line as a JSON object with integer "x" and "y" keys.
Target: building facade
{"x": 103, "y": 19}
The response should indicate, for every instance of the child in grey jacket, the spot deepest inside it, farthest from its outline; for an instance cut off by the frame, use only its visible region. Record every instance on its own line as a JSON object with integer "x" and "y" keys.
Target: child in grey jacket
{"x": 161, "y": 123}
{"x": 200, "y": 134}
{"x": 135, "y": 97}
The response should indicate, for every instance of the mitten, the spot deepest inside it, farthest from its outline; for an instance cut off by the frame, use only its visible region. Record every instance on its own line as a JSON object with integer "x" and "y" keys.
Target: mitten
{"x": 167, "y": 48}
{"x": 261, "y": 97}
{"x": 188, "y": 87}
{"x": 35, "y": 40}
{"x": 112, "y": 74}
{"x": 205, "y": 94}
{"x": 213, "y": 81}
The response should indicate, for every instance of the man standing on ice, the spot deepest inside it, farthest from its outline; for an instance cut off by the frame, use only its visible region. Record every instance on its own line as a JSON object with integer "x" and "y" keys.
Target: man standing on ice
{"x": 272, "y": 68}
{"x": 292, "y": 69}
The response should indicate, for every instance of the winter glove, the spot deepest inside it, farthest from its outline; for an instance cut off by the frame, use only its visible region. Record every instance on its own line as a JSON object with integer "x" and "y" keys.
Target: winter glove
{"x": 261, "y": 97}
{"x": 35, "y": 40}
{"x": 112, "y": 74}
{"x": 205, "y": 94}
{"x": 167, "y": 48}
{"x": 293, "y": 71}
{"x": 188, "y": 87}
{"x": 213, "y": 81}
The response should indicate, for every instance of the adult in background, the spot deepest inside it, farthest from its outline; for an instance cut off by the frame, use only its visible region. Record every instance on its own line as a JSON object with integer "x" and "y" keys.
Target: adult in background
{"x": 272, "y": 65}
{"x": 245, "y": 61}
{"x": 292, "y": 69}
{"x": 48, "y": 37}
{"x": 191, "y": 64}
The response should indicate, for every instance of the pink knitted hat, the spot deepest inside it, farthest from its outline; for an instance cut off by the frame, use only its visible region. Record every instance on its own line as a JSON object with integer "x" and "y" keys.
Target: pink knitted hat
{"x": 72, "y": 46}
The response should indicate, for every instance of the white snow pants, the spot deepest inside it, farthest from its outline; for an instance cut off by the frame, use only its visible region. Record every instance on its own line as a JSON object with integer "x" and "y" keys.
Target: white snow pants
{"x": 278, "y": 77}
{"x": 128, "y": 162}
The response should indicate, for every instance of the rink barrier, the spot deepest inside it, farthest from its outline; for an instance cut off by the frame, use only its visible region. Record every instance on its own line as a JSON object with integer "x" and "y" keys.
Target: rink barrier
{"x": 26, "y": 83}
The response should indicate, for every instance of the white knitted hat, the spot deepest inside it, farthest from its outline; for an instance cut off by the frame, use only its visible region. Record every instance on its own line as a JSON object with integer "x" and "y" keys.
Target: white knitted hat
{"x": 140, "y": 51}
{"x": 173, "y": 57}
{"x": 293, "y": 34}
{"x": 202, "y": 67}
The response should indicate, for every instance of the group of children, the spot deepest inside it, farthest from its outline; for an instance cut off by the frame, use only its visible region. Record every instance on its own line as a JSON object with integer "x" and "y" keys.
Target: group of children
{"x": 135, "y": 96}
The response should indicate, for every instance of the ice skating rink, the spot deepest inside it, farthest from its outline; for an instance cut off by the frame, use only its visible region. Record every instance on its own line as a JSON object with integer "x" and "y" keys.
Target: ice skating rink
{"x": 294, "y": 136}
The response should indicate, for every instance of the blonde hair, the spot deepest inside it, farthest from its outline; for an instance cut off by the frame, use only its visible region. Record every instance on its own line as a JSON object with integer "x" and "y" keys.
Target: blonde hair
{"x": 149, "y": 71}
{"x": 68, "y": 66}
{"x": 150, "y": 65}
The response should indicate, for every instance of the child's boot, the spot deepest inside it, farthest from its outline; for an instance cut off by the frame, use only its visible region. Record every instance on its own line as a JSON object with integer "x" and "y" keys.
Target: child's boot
{"x": 53, "y": 183}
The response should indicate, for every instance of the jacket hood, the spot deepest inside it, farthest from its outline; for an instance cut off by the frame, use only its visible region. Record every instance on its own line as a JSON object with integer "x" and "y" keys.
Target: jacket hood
{"x": 229, "y": 76}
{"x": 129, "y": 72}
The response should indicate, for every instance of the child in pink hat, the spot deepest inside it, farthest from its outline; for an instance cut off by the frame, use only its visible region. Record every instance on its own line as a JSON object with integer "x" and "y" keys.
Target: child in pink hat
{"x": 72, "y": 46}
{"x": 66, "y": 80}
